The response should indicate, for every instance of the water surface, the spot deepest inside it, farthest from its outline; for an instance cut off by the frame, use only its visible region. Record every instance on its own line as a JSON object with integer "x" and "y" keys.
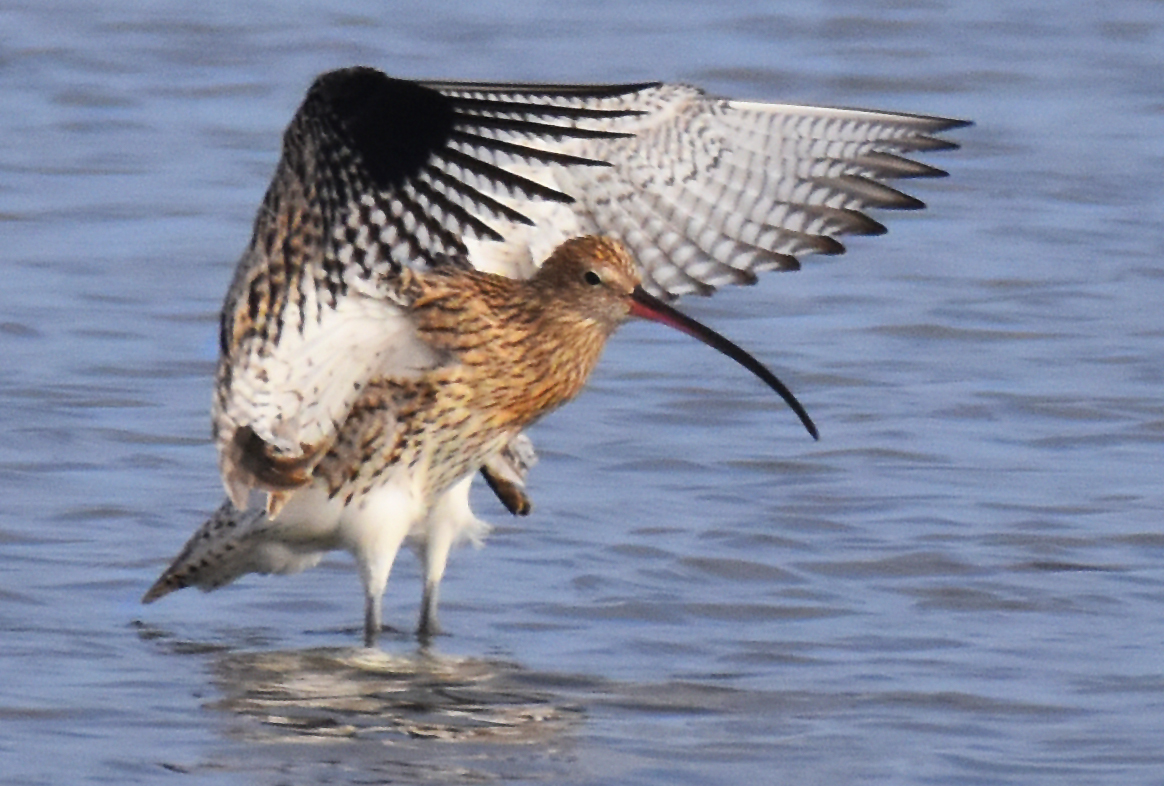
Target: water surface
{"x": 961, "y": 582}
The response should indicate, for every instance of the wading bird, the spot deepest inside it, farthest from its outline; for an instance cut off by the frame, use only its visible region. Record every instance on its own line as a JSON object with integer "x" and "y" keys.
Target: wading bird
{"x": 425, "y": 280}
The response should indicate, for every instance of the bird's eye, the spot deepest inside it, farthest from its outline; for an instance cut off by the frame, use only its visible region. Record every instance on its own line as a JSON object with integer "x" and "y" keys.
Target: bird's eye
{"x": 591, "y": 278}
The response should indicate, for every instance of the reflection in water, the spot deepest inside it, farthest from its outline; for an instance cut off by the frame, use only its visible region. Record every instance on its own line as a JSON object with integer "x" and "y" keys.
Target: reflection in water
{"x": 340, "y": 714}
{"x": 352, "y": 715}
{"x": 344, "y": 693}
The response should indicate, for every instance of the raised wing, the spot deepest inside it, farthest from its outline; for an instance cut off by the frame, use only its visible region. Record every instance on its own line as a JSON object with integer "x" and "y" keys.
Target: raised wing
{"x": 705, "y": 191}
{"x": 380, "y": 173}
{"x": 709, "y": 192}
{"x": 315, "y": 310}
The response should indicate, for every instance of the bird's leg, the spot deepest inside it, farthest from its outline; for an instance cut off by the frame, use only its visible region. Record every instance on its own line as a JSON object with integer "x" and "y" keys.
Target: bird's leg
{"x": 371, "y": 619}
{"x": 376, "y": 530}
{"x": 434, "y": 556}
{"x": 429, "y": 626}
{"x": 449, "y": 520}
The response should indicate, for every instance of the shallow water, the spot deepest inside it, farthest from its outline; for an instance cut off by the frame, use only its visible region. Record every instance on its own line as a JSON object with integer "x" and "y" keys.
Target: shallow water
{"x": 962, "y": 582}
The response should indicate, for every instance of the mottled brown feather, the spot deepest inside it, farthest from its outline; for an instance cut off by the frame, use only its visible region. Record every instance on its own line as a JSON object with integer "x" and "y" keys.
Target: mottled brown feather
{"x": 521, "y": 349}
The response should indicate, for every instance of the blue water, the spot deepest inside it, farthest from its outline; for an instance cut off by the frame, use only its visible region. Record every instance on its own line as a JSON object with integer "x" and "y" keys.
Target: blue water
{"x": 962, "y": 582}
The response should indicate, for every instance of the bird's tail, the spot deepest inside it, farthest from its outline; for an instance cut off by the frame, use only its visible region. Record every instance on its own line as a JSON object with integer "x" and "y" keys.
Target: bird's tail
{"x": 230, "y": 544}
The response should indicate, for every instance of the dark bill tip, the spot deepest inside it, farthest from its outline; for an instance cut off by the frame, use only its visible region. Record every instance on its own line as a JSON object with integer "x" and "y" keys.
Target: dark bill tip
{"x": 646, "y": 306}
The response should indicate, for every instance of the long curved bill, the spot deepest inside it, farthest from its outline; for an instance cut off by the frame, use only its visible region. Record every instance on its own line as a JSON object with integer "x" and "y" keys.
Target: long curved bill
{"x": 649, "y": 307}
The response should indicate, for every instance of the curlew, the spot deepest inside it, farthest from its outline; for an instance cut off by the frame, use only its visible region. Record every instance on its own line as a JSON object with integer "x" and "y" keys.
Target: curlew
{"x": 426, "y": 278}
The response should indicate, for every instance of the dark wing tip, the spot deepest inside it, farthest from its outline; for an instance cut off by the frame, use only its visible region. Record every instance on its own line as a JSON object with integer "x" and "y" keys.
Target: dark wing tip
{"x": 951, "y": 123}
{"x": 827, "y": 246}
{"x": 393, "y": 125}
{"x": 934, "y": 145}
{"x": 857, "y": 223}
{"x": 906, "y": 202}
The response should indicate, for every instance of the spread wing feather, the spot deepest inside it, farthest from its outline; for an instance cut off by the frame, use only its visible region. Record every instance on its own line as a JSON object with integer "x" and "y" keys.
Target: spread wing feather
{"x": 378, "y": 174}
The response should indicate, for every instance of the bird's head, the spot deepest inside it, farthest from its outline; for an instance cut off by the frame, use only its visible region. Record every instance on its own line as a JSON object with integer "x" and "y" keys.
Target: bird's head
{"x": 595, "y": 280}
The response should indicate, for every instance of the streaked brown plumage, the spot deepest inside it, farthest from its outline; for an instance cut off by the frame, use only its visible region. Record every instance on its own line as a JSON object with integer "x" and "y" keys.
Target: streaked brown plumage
{"x": 520, "y": 349}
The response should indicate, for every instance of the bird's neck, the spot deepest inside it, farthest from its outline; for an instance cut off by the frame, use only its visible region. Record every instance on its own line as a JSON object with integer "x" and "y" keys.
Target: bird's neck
{"x": 527, "y": 352}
